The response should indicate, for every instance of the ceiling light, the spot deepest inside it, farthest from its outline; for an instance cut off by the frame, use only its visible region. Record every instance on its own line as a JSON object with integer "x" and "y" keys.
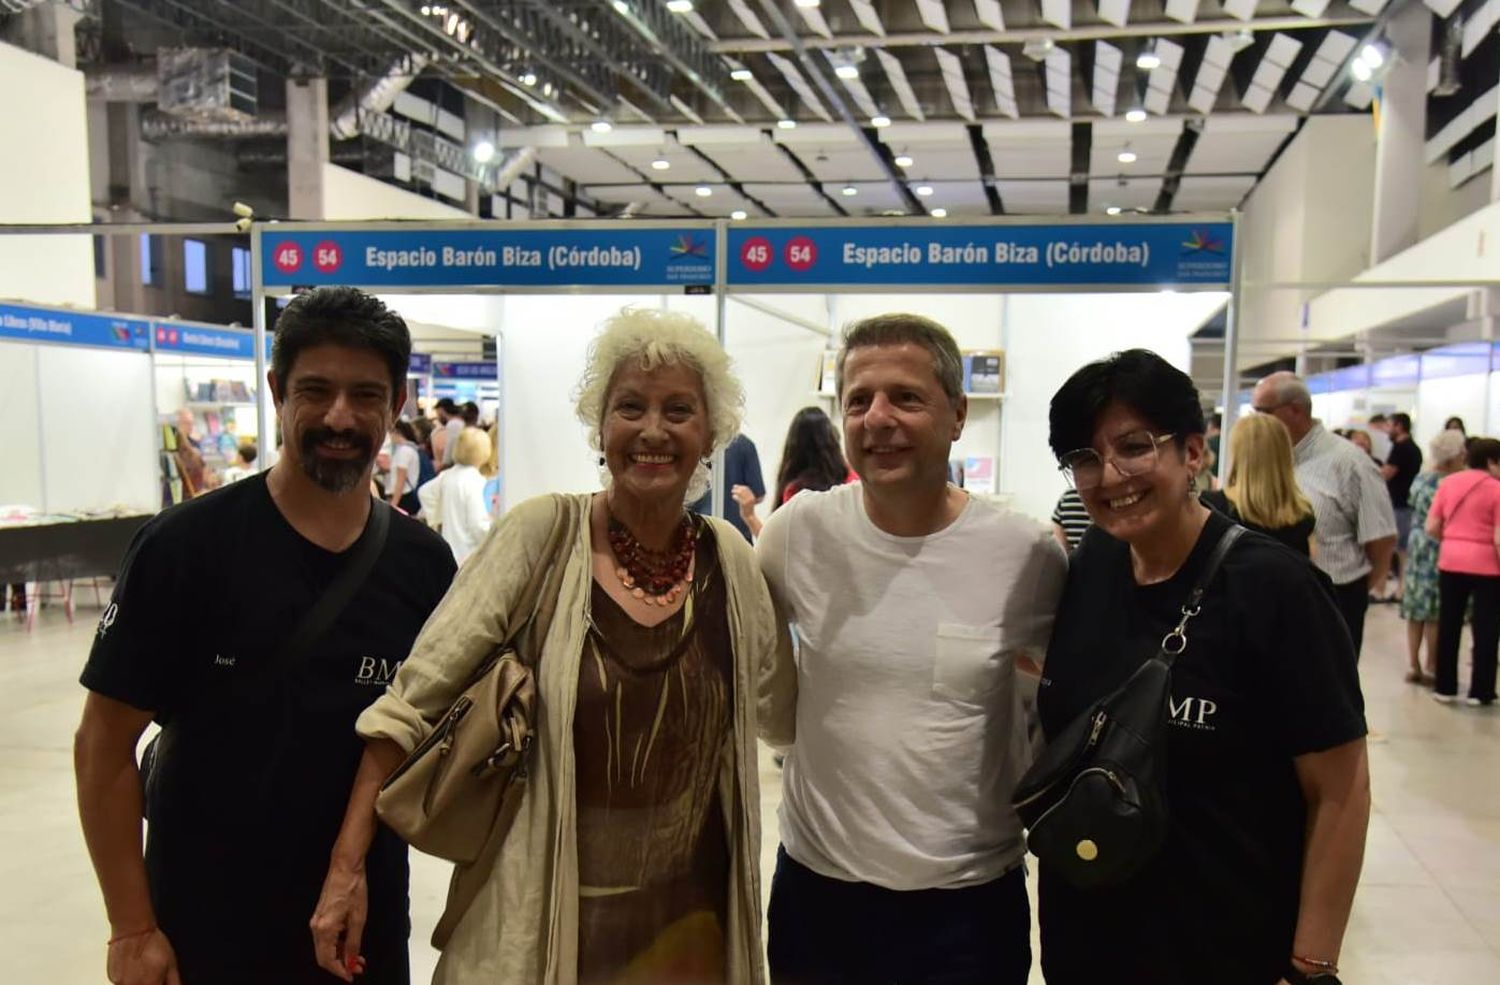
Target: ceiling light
{"x": 703, "y": 191}
{"x": 940, "y": 213}
{"x": 1361, "y": 70}
{"x": 680, "y": 6}
{"x": 880, "y": 121}
{"x": 451, "y": 24}
{"x": 602, "y": 126}
{"x": 924, "y": 190}
{"x": 738, "y": 214}
{"x": 904, "y": 161}
{"x": 528, "y": 79}
{"x": 1126, "y": 156}
{"x": 847, "y": 71}
{"x": 849, "y": 191}
{"x": 786, "y": 124}
{"x": 426, "y": 10}
{"x": 1136, "y": 115}
{"x": 1112, "y": 210}
{"x": 1037, "y": 49}
{"x": 742, "y": 75}
{"x": 807, "y": 4}
{"x": 622, "y": 6}
{"x": 1148, "y": 60}
{"x": 547, "y": 88}
{"x": 660, "y": 164}
{"x": 1239, "y": 40}
{"x": 484, "y": 152}
{"x": 1372, "y": 56}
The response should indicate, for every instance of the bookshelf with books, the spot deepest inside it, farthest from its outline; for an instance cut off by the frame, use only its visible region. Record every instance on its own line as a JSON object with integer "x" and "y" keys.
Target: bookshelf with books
{"x": 214, "y": 399}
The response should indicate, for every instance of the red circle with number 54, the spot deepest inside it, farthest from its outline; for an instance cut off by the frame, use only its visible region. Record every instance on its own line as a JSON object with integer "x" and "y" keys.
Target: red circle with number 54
{"x": 801, "y": 254}
{"x": 327, "y": 257}
{"x": 287, "y": 257}
{"x": 756, "y": 254}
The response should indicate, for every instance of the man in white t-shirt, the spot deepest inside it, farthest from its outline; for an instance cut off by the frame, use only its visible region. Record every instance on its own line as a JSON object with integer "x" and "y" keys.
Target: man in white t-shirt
{"x": 901, "y": 859}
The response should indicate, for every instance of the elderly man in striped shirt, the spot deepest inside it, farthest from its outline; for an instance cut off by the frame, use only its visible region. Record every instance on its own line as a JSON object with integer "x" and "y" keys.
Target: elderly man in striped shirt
{"x": 1356, "y": 527}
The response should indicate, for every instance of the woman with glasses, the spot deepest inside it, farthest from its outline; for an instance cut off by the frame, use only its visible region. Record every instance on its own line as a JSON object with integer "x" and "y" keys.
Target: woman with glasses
{"x": 1267, "y": 789}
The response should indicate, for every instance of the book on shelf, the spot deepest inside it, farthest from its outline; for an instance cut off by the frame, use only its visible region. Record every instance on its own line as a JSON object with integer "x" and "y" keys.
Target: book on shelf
{"x": 984, "y": 371}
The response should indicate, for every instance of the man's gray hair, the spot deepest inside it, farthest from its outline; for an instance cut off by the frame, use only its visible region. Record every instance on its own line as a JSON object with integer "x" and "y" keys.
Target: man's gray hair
{"x": 898, "y": 328}
{"x": 1289, "y": 388}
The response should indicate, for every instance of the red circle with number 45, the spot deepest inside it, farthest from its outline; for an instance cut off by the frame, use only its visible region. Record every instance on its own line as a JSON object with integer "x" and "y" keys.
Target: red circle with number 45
{"x": 287, "y": 257}
{"x": 327, "y": 257}
{"x": 756, "y": 254}
{"x": 801, "y": 254}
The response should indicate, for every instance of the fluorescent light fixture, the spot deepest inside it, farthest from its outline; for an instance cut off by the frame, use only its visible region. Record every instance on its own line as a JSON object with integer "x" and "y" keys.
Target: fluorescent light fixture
{"x": 1126, "y": 156}
{"x": 924, "y": 190}
{"x": 739, "y": 214}
{"x": 880, "y": 121}
{"x": 528, "y": 79}
{"x": 1112, "y": 210}
{"x": 904, "y": 161}
{"x": 660, "y": 164}
{"x": 547, "y": 89}
{"x": 849, "y": 191}
{"x": 622, "y": 6}
{"x": 703, "y": 191}
{"x": 680, "y": 6}
{"x": 1361, "y": 70}
{"x": 847, "y": 71}
{"x": 426, "y": 10}
{"x": 940, "y": 213}
{"x": 1372, "y": 56}
{"x": 742, "y": 75}
{"x": 807, "y": 4}
{"x": 1135, "y": 115}
{"x": 484, "y": 152}
{"x": 786, "y": 124}
{"x": 1148, "y": 60}
{"x": 602, "y": 126}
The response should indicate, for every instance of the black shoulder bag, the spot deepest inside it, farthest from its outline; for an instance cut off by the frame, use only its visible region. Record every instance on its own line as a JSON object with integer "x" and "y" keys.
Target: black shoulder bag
{"x": 1093, "y": 802}
{"x": 310, "y": 628}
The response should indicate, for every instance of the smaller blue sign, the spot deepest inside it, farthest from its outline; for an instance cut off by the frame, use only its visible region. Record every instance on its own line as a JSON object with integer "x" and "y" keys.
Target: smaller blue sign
{"x": 65, "y": 327}
{"x": 420, "y": 364}
{"x": 201, "y": 340}
{"x": 1464, "y": 359}
{"x": 465, "y": 371}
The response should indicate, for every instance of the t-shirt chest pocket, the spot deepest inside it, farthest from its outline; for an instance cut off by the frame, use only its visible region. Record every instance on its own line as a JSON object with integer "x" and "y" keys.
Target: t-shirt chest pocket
{"x": 968, "y": 661}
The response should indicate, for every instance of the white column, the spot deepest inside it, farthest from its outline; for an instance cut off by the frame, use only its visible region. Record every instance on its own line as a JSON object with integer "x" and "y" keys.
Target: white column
{"x": 1399, "y": 161}
{"x": 306, "y": 146}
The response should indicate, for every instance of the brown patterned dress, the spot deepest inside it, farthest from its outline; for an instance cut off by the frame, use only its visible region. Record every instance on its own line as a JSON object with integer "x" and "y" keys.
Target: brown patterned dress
{"x": 652, "y": 721}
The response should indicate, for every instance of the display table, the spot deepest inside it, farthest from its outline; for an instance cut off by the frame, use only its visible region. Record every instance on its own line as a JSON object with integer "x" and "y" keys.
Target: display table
{"x": 63, "y": 551}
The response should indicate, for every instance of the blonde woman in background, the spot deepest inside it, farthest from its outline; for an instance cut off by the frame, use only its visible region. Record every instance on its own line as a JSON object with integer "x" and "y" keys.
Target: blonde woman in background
{"x": 454, "y": 501}
{"x": 1262, "y": 491}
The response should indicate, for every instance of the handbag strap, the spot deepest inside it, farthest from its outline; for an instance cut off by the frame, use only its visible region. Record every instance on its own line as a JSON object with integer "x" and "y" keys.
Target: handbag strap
{"x": 1175, "y": 642}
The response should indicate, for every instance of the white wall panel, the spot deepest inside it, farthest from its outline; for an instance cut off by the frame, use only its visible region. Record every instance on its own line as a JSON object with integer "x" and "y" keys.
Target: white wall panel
{"x": 98, "y": 430}
{"x": 350, "y": 195}
{"x": 21, "y": 478}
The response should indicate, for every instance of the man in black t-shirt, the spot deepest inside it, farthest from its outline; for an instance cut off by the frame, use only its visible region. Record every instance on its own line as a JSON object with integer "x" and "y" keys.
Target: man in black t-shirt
{"x": 1400, "y": 468}
{"x": 254, "y": 768}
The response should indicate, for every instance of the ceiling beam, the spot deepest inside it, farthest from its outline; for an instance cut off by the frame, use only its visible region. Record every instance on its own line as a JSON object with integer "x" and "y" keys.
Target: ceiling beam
{"x": 1090, "y": 32}
{"x": 986, "y": 164}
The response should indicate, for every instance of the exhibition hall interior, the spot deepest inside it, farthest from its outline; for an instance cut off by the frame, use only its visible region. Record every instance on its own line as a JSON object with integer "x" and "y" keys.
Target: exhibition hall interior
{"x": 1302, "y": 191}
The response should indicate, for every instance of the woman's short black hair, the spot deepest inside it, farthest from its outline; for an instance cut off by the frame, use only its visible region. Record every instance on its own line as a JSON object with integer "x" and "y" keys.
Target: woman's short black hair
{"x": 1138, "y": 378}
{"x": 1483, "y": 452}
{"x": 340, "y": 316}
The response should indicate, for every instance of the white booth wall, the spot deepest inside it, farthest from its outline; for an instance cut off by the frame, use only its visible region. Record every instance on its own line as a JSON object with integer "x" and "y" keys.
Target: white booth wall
{"x": 1468, "y": 397}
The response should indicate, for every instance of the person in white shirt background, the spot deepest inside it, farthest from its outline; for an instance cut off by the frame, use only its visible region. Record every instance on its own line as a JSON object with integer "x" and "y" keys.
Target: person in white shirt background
{"x": 901, "y": 858}
{"x": 454, "y": 502}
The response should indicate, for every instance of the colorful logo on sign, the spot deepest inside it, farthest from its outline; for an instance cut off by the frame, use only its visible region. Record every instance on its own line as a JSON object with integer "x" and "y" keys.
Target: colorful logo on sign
{"x": 1202, "y": 242}
{"x": 689, "y": 247}
{"x": 122, "y": 332}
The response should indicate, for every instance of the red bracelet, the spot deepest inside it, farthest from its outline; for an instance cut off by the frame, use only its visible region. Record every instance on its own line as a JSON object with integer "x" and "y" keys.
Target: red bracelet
{"x": 125, "y": 937}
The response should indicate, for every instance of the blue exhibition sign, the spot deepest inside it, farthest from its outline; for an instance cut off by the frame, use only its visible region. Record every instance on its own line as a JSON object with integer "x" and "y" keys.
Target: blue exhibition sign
{"x": 628, "y": 256}
{"x": 465, "y": 371}
{"x": 1104, "y": 255}
{"x": 202, "y": 340}
{"x": 66, "y": 327}
{"x": 420, "y": 364}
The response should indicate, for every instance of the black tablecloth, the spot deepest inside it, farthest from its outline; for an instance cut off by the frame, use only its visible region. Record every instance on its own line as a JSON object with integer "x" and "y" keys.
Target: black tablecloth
{"x": 59, "y": 551}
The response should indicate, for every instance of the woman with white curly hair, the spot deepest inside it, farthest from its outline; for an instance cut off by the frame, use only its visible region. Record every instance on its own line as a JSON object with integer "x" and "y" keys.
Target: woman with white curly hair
{"x": 635, "y": 856}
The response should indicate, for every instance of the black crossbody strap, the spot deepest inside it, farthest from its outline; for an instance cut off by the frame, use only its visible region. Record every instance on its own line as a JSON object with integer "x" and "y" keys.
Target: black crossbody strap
{"x": 316, "y": 621}
{"x": 1175, "y": 642}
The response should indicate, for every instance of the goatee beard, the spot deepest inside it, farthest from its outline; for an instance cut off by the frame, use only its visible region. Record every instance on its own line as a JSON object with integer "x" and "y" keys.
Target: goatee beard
{"x": 336, "y": 475}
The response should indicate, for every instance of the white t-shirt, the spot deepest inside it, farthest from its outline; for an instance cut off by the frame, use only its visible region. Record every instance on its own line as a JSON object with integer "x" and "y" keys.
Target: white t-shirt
{"x": 404, "y": 456}
{"x": 911, "y": 734}
{"x": 455, "y": 501}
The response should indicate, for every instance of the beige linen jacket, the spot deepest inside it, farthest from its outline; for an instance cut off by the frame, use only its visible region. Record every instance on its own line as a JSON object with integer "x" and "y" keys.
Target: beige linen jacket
{"x": 523, "y": 925}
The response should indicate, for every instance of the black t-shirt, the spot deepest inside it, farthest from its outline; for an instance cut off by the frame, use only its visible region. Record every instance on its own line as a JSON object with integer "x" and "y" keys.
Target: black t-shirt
{"x": 1296, "y": 536}
{"x": 253, "y": 776}
{"x": 1407, "y": 458}
{"x": 1269, "y": 674}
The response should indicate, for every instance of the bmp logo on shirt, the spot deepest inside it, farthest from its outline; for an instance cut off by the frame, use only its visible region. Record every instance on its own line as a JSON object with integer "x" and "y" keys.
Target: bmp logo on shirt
{"x": 1192, "y": 713}
{"x": 377, "y": 671}
{"x": 108, "y": 619}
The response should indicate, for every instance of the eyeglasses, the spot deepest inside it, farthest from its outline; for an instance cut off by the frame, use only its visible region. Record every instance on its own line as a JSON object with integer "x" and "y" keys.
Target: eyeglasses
{"x": 1131, "y": 454}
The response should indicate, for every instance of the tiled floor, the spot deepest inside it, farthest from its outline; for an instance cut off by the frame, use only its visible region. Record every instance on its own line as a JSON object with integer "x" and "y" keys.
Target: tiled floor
{"x": 1428, "y": 911}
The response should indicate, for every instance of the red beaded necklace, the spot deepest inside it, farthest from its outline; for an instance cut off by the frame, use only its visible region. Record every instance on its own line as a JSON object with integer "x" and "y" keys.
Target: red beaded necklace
{"x": 655, "y": 577}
